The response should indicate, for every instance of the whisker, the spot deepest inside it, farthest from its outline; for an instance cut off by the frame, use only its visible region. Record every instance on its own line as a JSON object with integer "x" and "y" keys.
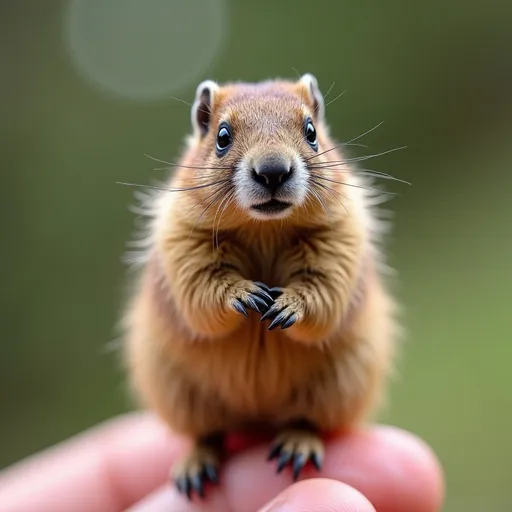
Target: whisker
{"x": 361, "y": 172}
{"x": 211, "y": 194}
{"x": 329, "y": 163}
{"x": 356, "y": 144}
{"x": 382, "y": 175}
{"x": 296, "y": 72}
{"x": 214, "y": 234}
{"x": 367, "y": 132}
{"x": 314, "y": 179}
{"x": 368, "y": 157}
{"x": 334, "y": 166}
{"x": 191, "y": 105}
{"x": 329, "y": 90}
{"x": 319, "y": 198}
{"x": 344, "y": 144}
{"x": 164, "y": 189}
{"x": 332, "y": 192}
{"x": 169, "y": 167}
{"x": 182, "y": 101}
{"x": 324, "y": 152}
{"x": 307, "y": 201}
{"x": 301, "y": 89}
{"x": 229, "y": 197}
{"x": 334, "y": 99}
{"x": 219, "y": 188}
{"x": 348, "y": 142}
{"x": 172, "y": 164}
{"x": 354, "y": 159}
{"x": 143, "y": 186}
{"x": 317, "y": 176}
{"x": 216, "y": 196}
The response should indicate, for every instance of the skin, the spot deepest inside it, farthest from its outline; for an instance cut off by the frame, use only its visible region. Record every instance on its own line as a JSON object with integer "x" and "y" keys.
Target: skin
{"x": 381, "y": 468}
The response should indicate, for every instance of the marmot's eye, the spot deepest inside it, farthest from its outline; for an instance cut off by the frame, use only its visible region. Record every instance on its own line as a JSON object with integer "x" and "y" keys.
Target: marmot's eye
{"x": 224, "y": 139}
{"x": 310, "y": 134}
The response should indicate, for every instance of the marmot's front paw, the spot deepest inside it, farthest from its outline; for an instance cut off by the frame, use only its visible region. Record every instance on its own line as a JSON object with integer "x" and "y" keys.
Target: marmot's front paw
{"x": 253, "y": 295}
{"x": 287, "y": 310}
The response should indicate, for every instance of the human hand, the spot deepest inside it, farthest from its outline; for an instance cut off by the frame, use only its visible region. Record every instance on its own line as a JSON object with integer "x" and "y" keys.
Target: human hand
{"x": 124, "y": 465}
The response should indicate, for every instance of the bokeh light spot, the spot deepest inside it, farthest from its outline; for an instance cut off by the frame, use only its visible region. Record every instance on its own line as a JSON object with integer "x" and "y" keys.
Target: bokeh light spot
{"x": 145, "y": 50}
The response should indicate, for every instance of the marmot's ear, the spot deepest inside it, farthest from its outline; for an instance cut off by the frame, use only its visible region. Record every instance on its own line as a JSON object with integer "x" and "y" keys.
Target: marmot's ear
{"x": 310, "y": 83}
{"x": 203, "y": 106}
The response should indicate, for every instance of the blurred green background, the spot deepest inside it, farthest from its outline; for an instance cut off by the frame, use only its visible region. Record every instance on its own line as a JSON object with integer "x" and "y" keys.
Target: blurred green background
{"x": 86, "y": 89}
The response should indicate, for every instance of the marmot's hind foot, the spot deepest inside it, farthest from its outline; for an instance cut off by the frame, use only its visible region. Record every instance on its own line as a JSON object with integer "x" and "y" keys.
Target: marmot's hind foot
{"x": 194, "y": 470}
{"x": 296, "y": 447}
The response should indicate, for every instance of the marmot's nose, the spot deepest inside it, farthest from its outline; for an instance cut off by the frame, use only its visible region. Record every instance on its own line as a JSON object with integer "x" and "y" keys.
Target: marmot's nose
{"x": 272, "y": 172}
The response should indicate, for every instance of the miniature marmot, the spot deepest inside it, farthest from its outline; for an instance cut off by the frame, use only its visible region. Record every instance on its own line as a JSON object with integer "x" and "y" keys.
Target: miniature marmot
{"x": 261, "y": 298}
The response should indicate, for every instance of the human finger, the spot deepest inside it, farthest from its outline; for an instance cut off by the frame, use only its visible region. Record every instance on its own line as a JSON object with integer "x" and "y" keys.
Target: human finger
{"x": 105, "y": 469}
{"x": 115, "y": 465}
{"x": 394, "y": 469}
{"x": 319, "y": 495}
{"x": 313, "y": 495}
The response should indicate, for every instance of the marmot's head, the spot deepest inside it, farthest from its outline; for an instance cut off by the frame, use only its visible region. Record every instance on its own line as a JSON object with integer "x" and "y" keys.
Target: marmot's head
{"x": 259, "y": 141}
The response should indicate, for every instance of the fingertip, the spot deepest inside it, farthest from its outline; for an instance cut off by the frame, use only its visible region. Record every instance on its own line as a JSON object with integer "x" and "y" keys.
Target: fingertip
{"x": 319, "y": 495}
{"x": 427, "y": 475}
{"x": 394, "y": 468}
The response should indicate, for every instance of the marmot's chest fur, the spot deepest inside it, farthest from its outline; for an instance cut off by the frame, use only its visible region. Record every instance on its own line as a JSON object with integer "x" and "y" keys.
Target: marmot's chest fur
{"x": 265, "y": 256}
{"x": 253, "y": 371}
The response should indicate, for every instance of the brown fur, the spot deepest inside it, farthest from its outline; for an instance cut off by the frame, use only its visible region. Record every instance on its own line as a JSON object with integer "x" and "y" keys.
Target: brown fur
{"x": 202, "y": 366}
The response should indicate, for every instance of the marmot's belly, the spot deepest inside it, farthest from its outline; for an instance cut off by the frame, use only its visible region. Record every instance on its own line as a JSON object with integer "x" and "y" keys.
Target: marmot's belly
{"x": 256, "y": 372}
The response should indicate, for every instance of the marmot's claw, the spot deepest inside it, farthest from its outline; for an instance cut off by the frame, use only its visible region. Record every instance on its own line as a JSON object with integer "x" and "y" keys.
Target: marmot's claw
{"x": 194, "y": 472}
{"x": 275, "y": 450}
{"x": 316, "y": 459}
{"x": 288, "y": 323}
{"x": 280, "y": 316}
{"x": 299, "y": 461}
{"x": 271, "y": 312}
{"x": 256, "y": 301}
{"x": 280, "y": 320}
{"x": 263, "y": 286}
{"x": 252, "y": 302}
{"x": 296, "y": 448}
{"x": 264, "y": 293}
{"x": 271, "y": 293}
{"x": 211, "y": 472}
{"x": 183, "y": 486}
{"x": 187, "y": 484}
{"x": 276, "y": 292}
{"x": 239, "y": 306}
{"x": 197, "y": 484}
{"x": 284, "y": 459}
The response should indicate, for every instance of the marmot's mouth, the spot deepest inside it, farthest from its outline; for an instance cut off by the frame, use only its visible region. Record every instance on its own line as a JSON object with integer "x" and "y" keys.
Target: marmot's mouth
{"x": 272, "y": 206}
